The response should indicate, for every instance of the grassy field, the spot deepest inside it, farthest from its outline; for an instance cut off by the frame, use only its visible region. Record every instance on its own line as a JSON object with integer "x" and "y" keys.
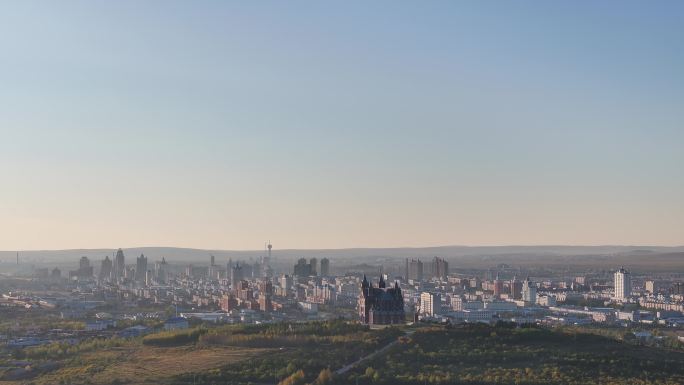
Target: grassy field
{"x": 139, "y": 364}
{"x": 239, "y": 354}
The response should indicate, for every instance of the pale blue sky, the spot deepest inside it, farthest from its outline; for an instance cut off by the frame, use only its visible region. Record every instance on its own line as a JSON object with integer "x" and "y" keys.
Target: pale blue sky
{"x": 220, "y": 124}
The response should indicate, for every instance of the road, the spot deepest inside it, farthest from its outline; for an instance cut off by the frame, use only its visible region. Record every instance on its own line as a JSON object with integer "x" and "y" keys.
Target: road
{"x": 376, "y": 353}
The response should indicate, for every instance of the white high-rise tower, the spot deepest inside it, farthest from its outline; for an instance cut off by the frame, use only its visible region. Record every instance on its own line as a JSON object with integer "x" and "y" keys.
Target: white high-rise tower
{"x": 623, "y": 284}
{"x": 529, "y": 291}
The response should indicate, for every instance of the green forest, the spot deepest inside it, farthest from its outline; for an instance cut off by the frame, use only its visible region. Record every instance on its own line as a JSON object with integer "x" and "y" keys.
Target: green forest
{"x": 436, "y": 354}
{"x": 481, "y": 354}
{"x": 313, "y": 352}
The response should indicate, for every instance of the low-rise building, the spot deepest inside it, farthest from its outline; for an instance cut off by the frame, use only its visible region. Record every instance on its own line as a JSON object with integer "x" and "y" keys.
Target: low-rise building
{"x": 176, "y": 323}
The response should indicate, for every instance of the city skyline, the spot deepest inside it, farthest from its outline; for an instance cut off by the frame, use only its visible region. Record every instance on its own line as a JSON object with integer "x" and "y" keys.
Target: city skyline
{"x": 333, "y": 193}
{"x": 340, "y": 126}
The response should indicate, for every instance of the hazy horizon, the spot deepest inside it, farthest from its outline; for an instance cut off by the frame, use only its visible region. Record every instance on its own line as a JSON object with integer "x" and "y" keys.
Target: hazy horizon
{"x": 317, "y": 125}
{"x": 351, "y": 248}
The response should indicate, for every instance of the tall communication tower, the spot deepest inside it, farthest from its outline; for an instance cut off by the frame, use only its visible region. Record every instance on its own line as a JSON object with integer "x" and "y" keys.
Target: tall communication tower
{"x": 266, "y": 270}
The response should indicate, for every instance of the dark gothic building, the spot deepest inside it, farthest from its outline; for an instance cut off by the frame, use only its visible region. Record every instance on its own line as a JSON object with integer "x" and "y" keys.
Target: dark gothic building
{"x": 380, "y": 305}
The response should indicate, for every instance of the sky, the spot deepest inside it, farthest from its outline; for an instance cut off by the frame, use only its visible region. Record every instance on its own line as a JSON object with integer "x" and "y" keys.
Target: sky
{"x": 221, "y": 125}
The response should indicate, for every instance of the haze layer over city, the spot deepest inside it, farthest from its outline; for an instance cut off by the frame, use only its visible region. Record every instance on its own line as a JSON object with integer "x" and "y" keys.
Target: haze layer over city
{"x": 341, "y": 192}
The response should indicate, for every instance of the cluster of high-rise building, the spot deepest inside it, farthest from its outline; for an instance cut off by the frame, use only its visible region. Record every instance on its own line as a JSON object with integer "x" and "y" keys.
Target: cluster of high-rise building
{"x": 235, "y": 286}
{"x": 415, "y": 269}
{"x": 308, "y": 269}
{"x": 425, "y": 290}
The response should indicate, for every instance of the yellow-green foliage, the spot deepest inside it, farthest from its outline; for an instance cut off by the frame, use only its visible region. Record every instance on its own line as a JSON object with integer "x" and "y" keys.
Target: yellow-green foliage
{"x": 174, "y": 337}
{"x": 324, "y": 377}
{"x": 295, "y": 378}
{"x": 59, "y": 350}
{"x": 293, "y": 335}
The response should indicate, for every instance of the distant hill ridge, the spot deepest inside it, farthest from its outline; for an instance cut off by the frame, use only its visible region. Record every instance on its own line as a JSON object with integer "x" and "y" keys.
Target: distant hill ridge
{"x": 202, "y": 255}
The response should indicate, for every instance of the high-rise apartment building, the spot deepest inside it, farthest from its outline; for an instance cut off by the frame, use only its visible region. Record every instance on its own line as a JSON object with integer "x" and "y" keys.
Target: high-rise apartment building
{"x": 623, "y": 284}
{"x": 430, "y": 303}
{"x": 414, "y": 269}
{"x": 119, "y": 267}
{"x": 303, "y": 269}
{"x": 498, "y": 287}
{"x": 440, "y": 268}
{"x": 105, "y": 269}
{"x": 141, "y": 268}
{"x": 161, "y": 271}
{"x": 529, "y": 291}
{"x": 325, "y": 267}
{"x": 314, "y": 266}
{"x": 236, "y": 275}
{"x": 265, "y": 294}
{"x": 516, "y": 288}
{"x": 286, "y": 282}
{"x": 84, "y": 272}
